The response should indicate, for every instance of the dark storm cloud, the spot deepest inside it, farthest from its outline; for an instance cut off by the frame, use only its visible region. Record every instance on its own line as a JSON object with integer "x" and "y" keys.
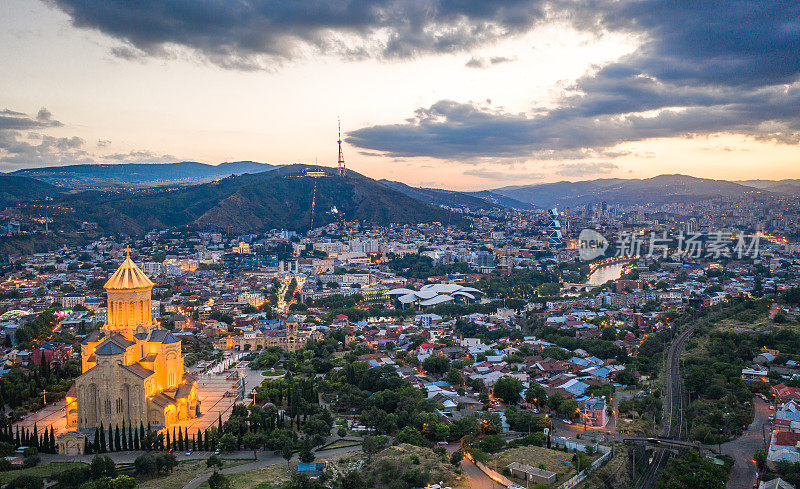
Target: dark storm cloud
{"x": 254, "y": 33}
{"x": 702, "y": 67}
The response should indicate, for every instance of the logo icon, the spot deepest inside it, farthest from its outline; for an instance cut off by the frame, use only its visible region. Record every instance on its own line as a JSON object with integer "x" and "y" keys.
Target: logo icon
{"x": 591, "y": 244}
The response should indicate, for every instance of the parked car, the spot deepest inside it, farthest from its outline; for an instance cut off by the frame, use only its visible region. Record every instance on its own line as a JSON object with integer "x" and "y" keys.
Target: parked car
{"x": 566, "y": 421}
{"x": 188, "y": 453}
{"x": 217, "y": 451}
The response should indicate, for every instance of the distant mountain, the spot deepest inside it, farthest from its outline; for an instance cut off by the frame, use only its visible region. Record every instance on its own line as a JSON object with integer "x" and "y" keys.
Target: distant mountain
{"x": 281, "y": 198}
{"x": 505, "y": 201}
{"x": 435, "y": 196}
{"x": 662, "y": 189}
{"x": 788, "y": 186}
{"x": 147, "y": 174}
{"x": 15, "y": 189}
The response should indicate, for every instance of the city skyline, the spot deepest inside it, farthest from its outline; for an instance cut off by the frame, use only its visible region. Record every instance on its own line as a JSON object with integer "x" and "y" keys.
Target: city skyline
{"x": 431, "y": 95}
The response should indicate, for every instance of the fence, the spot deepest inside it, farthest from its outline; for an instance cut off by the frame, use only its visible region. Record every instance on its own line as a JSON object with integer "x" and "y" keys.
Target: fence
{"x": 569, "y": 484}
{"x": 490, "y": 473}
{"x": 576, "y": 479}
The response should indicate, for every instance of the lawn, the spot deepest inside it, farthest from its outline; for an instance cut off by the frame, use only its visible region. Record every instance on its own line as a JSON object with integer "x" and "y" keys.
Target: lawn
{"x": 44, "y": 470}
{"x": 263, "y": 478}
{"x": 340, "y": 444}
{"x": 182, "y": 474}
{"x": 552, "y": 460}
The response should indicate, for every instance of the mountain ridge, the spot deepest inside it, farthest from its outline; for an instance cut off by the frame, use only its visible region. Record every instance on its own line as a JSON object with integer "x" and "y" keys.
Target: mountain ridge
{"x": 279, "y": 199}
{"x": 661, "y": 189}
{"x": 147, "y": 174}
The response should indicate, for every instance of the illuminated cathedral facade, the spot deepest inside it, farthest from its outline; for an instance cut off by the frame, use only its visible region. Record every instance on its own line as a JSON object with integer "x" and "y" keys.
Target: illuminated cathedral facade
{"x": 132, "y": 369}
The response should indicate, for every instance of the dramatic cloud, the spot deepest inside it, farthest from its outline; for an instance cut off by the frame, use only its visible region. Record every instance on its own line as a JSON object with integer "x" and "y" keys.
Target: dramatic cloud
{"x": 712, "y": 67}
{"x": 23, "y": 144}
{"x": 249, "y": 34}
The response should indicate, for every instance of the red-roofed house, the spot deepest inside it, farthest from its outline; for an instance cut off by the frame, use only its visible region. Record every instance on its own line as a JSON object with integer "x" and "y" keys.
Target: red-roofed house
{"x": 785, "y": 393}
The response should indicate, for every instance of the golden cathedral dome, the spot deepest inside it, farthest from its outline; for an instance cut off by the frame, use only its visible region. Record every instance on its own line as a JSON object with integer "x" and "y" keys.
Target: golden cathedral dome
{"x": 127, "y": 277}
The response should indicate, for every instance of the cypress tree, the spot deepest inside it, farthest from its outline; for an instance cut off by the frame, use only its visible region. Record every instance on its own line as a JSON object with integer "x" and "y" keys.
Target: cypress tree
{"x": 194, "y": 443}
{"x": 110, "y": 439}
{"x": 199, "y": 438}
{"x": 52, "y": 440}
{"x": 96, "y": 444}
{"x": 102, "y": 439}
{"x": 124, "y": 437}
{"x": 141, "y": 433}
{"x": 169, "y": 443}
{"x": 35, "y": 436}
{"x": 136, "y": 440}
{"x": 180, "y": 439}
{"x": 220, "y": 424}
{"x": 117, "y": 439}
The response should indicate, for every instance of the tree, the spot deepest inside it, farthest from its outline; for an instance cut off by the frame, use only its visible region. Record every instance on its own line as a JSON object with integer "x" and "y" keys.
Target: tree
{"x": 761, "y": 458}
{"x": 145, "y": 465}
{"x": 228, "y": 442}
{"x": 123, "y": 482}
{"x": 535, "y": 394}
{"x": 252, "y": 441}
{"x": 103, "y": 466}
{"x": 454, "y": 377}
{"x": 214, "y": 463}
{"x": 287, "y": 450}
{"x": 508, "y": 389}
{"x": 218, "y": 481}
{"x": 436, "y": 364}
{"x": 306, "y": 455}
{"x": 569, "y": 409}
{"x": 26, "y": 482}
{"x": 373, "y": 444}
{"x": 165, "y": 462}
{"x": 456, "y": 458}
{"x": 352, "y": 480}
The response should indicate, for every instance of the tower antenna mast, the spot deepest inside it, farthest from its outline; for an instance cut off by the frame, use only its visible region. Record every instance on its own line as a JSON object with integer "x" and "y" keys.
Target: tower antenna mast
{"x": 341, "y": 170}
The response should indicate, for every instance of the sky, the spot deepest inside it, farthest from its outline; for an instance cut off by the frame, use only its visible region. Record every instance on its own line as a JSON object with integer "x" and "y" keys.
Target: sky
{"x": 441, "y": 93}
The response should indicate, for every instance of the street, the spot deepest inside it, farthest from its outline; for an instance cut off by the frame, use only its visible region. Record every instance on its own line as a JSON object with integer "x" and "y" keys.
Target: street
{"x": 743, "y": 473}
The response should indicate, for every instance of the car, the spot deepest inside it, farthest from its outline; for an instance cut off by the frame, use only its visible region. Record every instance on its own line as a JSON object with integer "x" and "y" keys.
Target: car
{"x": 441, "y": 443}
{"x": 536, "y": 411}
{"x": 188, "y": 453}
{"x": 772, "y": 408}
{"x": 566, "y": 421}
{"x": 217, "y": 451}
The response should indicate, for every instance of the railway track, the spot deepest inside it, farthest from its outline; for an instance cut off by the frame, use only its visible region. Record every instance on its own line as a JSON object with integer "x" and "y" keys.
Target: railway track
{"x": 673, "y": 409}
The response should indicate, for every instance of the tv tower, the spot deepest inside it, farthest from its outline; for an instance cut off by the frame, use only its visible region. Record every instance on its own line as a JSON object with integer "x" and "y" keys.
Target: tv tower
{"x": 341, "y": 170}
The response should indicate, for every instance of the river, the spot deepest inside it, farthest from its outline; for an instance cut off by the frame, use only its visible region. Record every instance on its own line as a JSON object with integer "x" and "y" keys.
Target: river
{"x": 605, "y": 273}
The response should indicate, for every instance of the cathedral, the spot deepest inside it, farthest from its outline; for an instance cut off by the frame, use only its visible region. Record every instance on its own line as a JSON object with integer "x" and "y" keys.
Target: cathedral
{"x": 132, "y": 369}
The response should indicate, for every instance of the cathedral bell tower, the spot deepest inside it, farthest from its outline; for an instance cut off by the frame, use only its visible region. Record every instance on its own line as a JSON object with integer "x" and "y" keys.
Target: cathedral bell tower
{"x": 129, "y": 303}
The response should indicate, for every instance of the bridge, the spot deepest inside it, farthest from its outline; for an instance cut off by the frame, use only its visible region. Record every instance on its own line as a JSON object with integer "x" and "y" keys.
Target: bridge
{"x": 570, "y": 287}
{"x": 669, "y": 442}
